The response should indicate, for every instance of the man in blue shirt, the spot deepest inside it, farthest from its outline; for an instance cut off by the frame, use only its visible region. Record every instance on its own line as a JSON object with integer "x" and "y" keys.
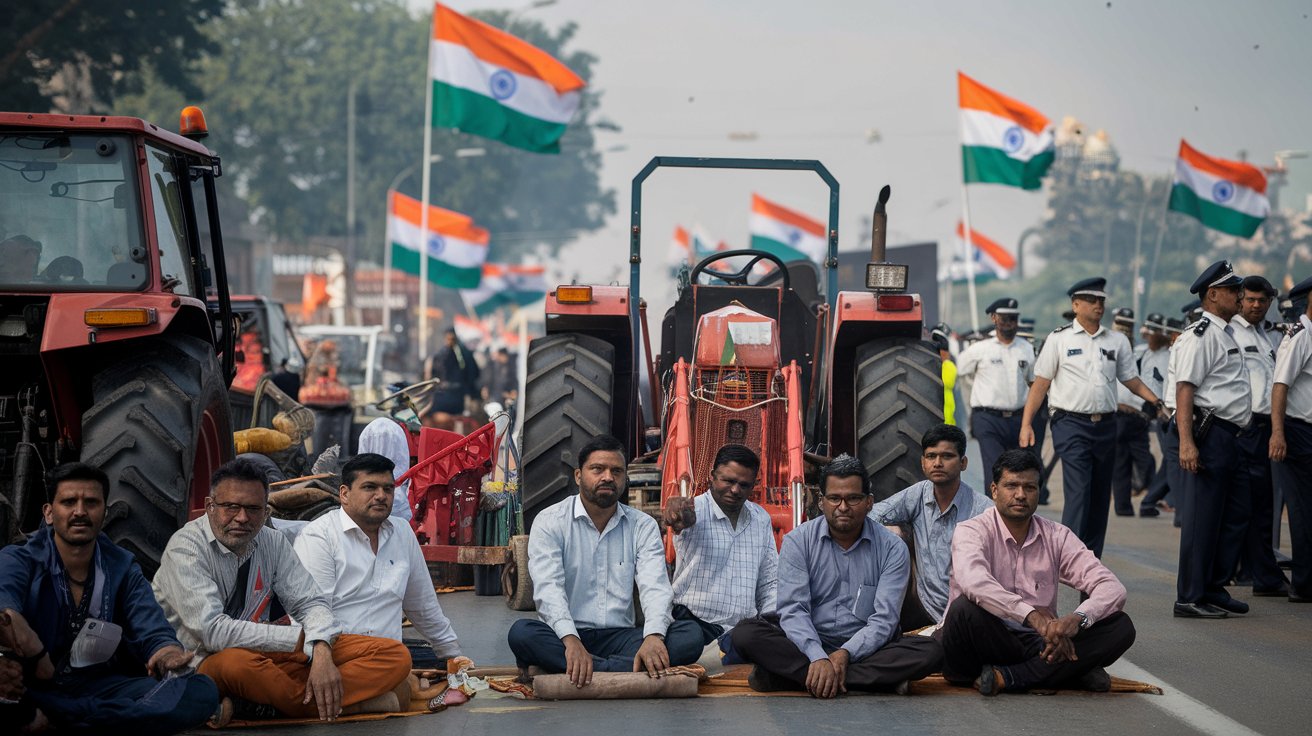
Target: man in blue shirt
{"x": 82, "y": 618}
{"x": 841, "y": 582}
{"x": 585, "y": 555}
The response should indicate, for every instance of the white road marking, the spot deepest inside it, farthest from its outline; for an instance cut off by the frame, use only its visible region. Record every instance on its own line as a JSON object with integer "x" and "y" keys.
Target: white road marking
{"x": 1195, "y": 713}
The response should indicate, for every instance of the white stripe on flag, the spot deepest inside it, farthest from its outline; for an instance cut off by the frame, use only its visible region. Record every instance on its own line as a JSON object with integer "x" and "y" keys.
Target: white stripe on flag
{"x": 979, "y": 128}
{"x": 457, "y": 66}
{"x": 794, "y": 237}
{"x": 445, "y": 248}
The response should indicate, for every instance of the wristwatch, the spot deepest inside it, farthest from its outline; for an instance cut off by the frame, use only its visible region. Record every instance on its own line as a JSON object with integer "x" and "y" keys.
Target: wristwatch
{"x": 1084, "y": 619}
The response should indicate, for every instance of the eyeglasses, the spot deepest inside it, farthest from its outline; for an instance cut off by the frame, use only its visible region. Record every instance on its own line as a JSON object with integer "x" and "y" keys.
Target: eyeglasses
{"x": 850, "y": 501}
{"x": 743, "y": 485}
{"x": 231, "y": 509}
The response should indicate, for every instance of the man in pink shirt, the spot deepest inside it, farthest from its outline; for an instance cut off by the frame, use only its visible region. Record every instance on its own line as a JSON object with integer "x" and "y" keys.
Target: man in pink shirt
{"x": 1001, "y": 631}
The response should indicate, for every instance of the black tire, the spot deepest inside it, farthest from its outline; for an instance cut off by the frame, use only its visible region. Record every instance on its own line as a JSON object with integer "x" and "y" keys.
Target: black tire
{"x": 899, "y": 396}
{"x": 568, "y": 399}
{"x": 516, "y": 583}
{"x": 151, "y": 411}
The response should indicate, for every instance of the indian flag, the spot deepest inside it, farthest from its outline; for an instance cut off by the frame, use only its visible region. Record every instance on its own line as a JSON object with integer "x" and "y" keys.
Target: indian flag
{"x": 489, "y": 83}
{"x": 991, "y": 259}
{"x": 1229, "y": 196}
{"x": 786, "y": 233}
{"x": 506, "y": 285}
{"x": 1003, "y": 141}
{"x": 456, "y": 247}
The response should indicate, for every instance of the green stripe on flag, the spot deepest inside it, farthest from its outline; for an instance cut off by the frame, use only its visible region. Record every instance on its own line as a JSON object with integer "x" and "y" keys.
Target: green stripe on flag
{"x": 471, "y": 112}
{"x": 730, "y": 352}
{"x": 785, "y": 252}
{"x": 1211, "y": 214}
{"x": 985, "y": 165}
{"x": 440, "y": 273}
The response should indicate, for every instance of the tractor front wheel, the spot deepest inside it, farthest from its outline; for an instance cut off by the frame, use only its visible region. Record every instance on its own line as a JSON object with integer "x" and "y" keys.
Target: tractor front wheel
{"x": 899, "y": 397}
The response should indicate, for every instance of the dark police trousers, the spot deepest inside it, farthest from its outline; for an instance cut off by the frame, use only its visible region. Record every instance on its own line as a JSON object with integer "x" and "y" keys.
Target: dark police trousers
{"x": 1212, "y": 532}
{"x": 1085, "y": 448}
{"x": 1165, "y": 478}
{"x": 1258, "y": 559}
{"x": 763, "y": 642}
{"x": 1132, "y": 454}
{"x": 1295, "y": 475}
{"x": 972, "y": 637}
{"x": 994, "y": 434}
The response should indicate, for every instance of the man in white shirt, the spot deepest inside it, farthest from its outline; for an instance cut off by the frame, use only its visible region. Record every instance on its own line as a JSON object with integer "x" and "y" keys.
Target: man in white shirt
{"x": 368, "y": 564}
{"x": 1001, "y": 369}
{"x": 585, "y": 554}
{"x": 1291, "y": 439}
{"x": 726, "y": 564}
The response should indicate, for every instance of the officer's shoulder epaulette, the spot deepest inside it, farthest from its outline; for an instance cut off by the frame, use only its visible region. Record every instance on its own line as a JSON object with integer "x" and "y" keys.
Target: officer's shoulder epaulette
{"x": 1297, "y": 328}
{"x": 1201, "y": 327}
{"x": 1063, "y": 327}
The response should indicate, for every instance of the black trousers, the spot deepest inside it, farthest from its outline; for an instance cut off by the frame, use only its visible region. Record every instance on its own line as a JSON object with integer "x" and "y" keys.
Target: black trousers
{"x": 1258, "y": 559}
{"x": 1215, "y": 523}
{"x": 1160, "y": 488}
{"x": 1085, "y": 448}
{"x": 1133, "y": 458}
{"x": 972, "y": 637}
{"x": 1295, "y": 475}
{"x": 763, "y": 642}
{"x": 1040, "y": 426}
{"x": 994, "y": 434}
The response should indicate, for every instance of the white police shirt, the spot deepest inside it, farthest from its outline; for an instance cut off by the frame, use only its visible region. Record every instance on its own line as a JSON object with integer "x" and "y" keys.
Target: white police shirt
{"x": 1002, "y": 373}
{"x": 1085, "y": 368}
{"x": 1294, "y": 369}
{"x": 1152, "y": 370}
{"x": 1208, "y": 357}
{"x": 1259, "y": 358}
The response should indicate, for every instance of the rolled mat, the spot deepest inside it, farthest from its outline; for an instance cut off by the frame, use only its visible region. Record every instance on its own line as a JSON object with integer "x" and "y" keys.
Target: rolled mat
{"x": 615, "y": 686}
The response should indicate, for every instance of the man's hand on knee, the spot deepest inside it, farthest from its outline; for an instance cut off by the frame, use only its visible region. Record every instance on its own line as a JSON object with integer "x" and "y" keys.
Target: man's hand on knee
{"x": 821, "y": 680}
{"x": 324, "y": 685}
{"x": 578, "y": 662}
{"x": 652, "y": 656}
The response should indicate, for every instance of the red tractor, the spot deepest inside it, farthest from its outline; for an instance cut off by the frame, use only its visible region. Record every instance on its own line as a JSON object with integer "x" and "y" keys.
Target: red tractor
{"x": 109, "y": 247}
{"x": 771, "y": 363}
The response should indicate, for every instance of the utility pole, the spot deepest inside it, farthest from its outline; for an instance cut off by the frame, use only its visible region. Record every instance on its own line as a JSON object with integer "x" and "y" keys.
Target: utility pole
{"x": 348, "y": 271}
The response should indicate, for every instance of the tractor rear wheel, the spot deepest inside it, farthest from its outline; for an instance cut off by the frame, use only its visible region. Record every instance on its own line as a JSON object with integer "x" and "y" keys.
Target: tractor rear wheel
{"x": 899, "y": 396}
{"x": 568, "y": 399}
{"x": 159, "y": 420}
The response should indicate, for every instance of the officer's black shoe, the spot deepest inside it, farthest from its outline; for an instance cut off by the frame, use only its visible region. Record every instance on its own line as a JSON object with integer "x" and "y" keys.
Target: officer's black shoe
{"x": 1279, "y": 591}
{"x": 1198, "y": 610}
{"x": 1299, "y": 598}
{"x": 1232, "y": 606}
{"x": 1149, "y": 512}
{"x": 1119, "y": 512}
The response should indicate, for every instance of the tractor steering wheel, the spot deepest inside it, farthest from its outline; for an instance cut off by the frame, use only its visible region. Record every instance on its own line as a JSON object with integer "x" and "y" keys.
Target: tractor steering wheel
{"x": 739, "y": 277}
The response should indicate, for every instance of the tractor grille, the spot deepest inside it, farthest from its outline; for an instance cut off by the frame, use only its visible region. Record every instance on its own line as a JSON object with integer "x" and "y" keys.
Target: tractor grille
{"x": 741, "y": 406}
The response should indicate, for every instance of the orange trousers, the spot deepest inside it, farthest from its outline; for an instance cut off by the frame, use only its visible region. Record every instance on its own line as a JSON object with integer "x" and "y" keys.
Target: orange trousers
{"x": 369, "y": 666}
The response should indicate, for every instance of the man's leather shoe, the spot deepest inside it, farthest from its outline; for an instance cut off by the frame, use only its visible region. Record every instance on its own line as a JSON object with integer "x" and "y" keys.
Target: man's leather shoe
{"x": 1198, "y": 610}
{"x": 1299, "y": 598}
{"x": 1279, "y": 591}
{"x": 1096, "y": 680}
{"x": 1146, "y": 512}
{"x": 764, "y": 681}
{"x": 990, "y": 681}
{"x": 1232, "y": 606}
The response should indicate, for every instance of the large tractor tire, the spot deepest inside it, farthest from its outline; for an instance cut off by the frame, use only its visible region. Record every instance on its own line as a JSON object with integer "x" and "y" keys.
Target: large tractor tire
{"x": 899, "y": 396}
{"x": 159, "y": 420}
{"x": 516, "y": 583}
{"x": 568, "y": 399}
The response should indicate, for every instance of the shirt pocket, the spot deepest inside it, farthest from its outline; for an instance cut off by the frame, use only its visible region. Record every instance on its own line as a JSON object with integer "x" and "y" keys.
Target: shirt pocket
{"x": 1107, "y": 367}
{"x": 391, "y": 577}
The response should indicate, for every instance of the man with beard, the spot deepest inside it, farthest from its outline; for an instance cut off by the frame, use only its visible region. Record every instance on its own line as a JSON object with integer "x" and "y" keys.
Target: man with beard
{"x": 79, "y": 615}
{"x": 369, "y": 566}
{"x": 225, "y": 580}
{"x": 585, "y": 555}
{"x": 726, "y": 566}
{"x": 1002, "y": 632}
{"x": 841, "y": 581}
{"x": 1082, "y": 362}
{"x": 1001, "y": 368}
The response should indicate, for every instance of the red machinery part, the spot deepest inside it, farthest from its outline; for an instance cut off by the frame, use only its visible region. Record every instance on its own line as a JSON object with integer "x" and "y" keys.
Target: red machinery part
{"x": 445, "y": 485}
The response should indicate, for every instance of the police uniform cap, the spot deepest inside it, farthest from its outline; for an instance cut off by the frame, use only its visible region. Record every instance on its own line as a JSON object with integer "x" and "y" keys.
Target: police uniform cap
{"x": 1155, "y": 321}
{"x": 1005, "y": 305}
{"x": 1068, "y": 315}
{"x": 1194, "y": 305}
{"x": 1089, "y": 287}
{"x": 1259, "y": 283}
{"x": 1124, "y": 315}
{"x": 1219, "y": 275}
{"x": 1300, "y": 291}
{"x": 1174, "y": 325}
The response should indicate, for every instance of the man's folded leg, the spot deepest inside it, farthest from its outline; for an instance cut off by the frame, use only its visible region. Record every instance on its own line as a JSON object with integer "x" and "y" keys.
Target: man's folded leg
{"x": 904, "y": 658}
{"x": 972, "y": 637}
{"x": 276, "y": 679}
{"x": 120, "y": 703}
{"x": 762, "y": 642}
{"x": 369, "y": 665}
{"x": 535, "y": 644}
{"x": 1098, "y": 646}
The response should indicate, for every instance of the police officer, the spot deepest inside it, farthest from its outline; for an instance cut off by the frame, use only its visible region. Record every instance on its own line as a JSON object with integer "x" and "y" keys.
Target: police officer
{"x": 1133, "y": 467}
{"x": 1291, "y": 440}
{"x": 1001, "y": 368}
{"x": 1258, "y": 559}
{"x": 1152, "y": 371}
{"x": 1082, "y": 362}
{"x": 1213, "y": 405}
{"x": 1026, "y": 332}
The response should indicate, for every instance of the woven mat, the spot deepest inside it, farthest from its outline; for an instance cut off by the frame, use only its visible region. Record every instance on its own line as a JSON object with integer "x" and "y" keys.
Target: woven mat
{"x": 734, "y": 682}
{"x": 358, "y": 718}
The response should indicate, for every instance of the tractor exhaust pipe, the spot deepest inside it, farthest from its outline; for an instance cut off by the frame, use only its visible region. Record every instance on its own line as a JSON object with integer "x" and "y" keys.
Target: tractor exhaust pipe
{"x": 879, "y": 228}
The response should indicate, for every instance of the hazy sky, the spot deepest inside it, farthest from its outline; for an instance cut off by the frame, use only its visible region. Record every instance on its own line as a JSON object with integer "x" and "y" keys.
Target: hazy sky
{"x": 810, "y": 79}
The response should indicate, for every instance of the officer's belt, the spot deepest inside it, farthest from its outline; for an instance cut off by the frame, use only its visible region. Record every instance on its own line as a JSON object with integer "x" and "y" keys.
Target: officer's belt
{"x": 1004, "y": 413}
{"x": 1231, "y": 427}
{"x": 1057, "y": 413}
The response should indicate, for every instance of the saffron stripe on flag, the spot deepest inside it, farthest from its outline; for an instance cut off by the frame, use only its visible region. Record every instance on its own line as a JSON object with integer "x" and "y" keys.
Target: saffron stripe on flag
{"x": 1237, "y": 172}
{"x": 495, "y": 46}
{"x": 975, "y": 96}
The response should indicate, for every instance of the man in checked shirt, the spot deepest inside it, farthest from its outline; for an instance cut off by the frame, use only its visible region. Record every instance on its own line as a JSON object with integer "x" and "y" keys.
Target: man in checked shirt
{"x": 726, "y": 565}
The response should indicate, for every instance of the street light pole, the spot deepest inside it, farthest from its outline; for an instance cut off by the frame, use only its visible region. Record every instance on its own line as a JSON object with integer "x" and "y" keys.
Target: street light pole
{"x": 348, "y": 271}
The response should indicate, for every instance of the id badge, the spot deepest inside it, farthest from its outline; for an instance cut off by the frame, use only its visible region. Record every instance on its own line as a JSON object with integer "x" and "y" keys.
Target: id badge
{"x": 95, "y": 643}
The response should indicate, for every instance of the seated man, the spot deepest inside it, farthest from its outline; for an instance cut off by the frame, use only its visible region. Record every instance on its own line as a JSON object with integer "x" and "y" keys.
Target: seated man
{"x": 933, "y": 508}
{"x": 368, "y": 564}
{"x": 1002, "y": 625}
{"x": 726, "y": 565}
{"x": 225, "y": 577}
{"x": 76, "y": 610}
{"x": 841, "y": 580}
{"x": 585, "y": 554}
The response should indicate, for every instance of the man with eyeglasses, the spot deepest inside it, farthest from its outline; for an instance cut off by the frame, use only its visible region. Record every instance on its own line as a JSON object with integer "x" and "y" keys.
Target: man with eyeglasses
{"x": 726, "y": 566}
{"x": 1081, "y": 363}
{"x": 932, "y": 509}
{"x": 226, "y": 580}
{"x": 841, "y": 581}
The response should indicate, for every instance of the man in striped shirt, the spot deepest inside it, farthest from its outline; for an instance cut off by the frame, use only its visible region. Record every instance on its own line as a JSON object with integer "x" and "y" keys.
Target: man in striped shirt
{"x": 726, "y": 564}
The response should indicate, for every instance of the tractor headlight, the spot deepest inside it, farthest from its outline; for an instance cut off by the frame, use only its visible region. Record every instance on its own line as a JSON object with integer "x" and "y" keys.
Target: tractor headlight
{"x": 886, "y": 277}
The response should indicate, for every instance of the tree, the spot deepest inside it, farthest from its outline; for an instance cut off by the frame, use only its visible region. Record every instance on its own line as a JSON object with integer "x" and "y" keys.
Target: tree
{"x": 76, "y": 55}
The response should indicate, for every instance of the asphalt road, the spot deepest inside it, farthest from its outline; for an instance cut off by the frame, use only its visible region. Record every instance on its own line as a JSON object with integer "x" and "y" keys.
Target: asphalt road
{"x": 1234, "y": 676}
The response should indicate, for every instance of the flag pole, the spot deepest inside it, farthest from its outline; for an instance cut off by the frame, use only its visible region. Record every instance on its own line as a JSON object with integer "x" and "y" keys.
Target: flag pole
{"x": 387, "y": 272}
{"x": 424, "y": 194}
{"x": 968, "y": 247}
{"x": 1161, "y": 234}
